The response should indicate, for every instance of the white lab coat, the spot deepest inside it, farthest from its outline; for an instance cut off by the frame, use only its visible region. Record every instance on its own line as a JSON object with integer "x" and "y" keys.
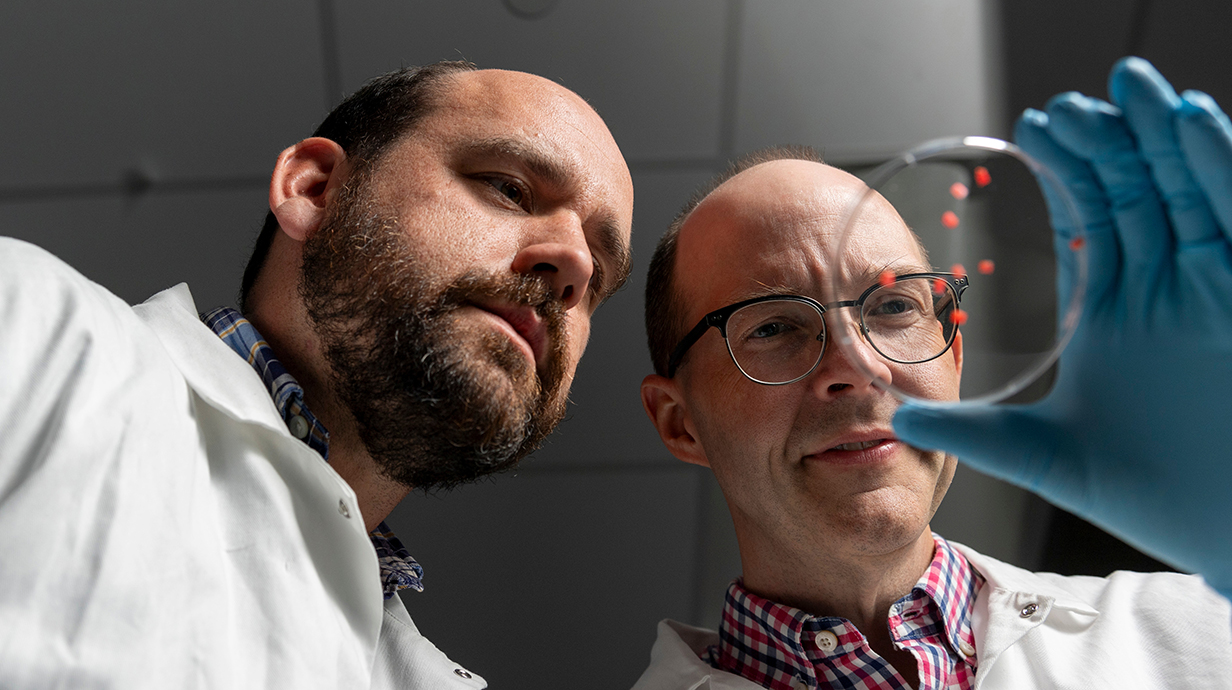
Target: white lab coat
{"x": 1130, "y": 630}
{"x": 159, "y": 526}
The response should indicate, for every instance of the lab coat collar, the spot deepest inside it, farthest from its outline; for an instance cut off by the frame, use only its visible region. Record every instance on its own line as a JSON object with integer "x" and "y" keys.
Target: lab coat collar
{"x": 1012, "y": 603}
{"x": 1000, "y": 575}
{"x": 211, "y": 368}
{"x": 677, "y": 655}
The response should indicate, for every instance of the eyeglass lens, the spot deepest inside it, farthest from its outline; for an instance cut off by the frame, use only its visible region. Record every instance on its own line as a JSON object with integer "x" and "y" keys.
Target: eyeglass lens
{"x": 778, "y": 341}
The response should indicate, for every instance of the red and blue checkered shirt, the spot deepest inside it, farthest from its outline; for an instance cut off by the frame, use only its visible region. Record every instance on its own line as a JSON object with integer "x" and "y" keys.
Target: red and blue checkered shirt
{"x": 398, "y": 569}
{"x": 784, "y": 648}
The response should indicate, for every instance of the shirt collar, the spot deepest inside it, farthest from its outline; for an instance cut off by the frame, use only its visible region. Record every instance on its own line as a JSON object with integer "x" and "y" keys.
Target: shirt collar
{"x": 777, "y": 646}
{"x": 398, "y": 569}
{"x": 952, "y": 585}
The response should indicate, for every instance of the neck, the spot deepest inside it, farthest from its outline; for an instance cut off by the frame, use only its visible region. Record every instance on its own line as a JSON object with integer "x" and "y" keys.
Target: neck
{"x": 376, "y": 495}
{"x": 278, "y": 314}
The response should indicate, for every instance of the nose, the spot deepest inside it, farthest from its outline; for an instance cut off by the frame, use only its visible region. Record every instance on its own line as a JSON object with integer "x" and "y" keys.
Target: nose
{"x": 850, "y": 369}
{"x": 559, "y": 254}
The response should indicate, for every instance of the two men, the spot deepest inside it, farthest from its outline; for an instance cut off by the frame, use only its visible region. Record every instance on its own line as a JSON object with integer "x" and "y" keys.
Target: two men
{"x": 843, "y": 583}
{"x": 414, "y": 318}
{"x": 189, "y": 504}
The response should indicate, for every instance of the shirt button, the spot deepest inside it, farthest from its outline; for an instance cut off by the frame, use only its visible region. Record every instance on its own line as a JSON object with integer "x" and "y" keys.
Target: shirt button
{"x": 1028, "y": 610}
{"x": 826, "y": 641}
{"x": 462, "y": 672}
{"x": 966, "y": 648}
{"x": 299, "y": 427}
{"x": 342, "y": 509}
{"x": 798, "y": 684}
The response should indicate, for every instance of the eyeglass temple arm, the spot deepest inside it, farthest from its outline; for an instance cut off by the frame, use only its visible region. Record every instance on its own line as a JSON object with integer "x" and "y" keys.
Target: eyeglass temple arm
{"x": 692, "y": 337}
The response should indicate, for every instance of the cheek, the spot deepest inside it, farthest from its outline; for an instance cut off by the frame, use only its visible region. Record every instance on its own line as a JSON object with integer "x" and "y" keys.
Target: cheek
{"x": 578, "y": 335}
{"x": 935, "y": 380}
{"x": 738, "y": 418}
{"x": 443, "y": 218}
{"x": 949, "y": 464}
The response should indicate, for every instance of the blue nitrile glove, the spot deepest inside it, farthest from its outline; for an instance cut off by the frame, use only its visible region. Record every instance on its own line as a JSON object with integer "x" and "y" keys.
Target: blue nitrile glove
{"x": 1134, "y": 435}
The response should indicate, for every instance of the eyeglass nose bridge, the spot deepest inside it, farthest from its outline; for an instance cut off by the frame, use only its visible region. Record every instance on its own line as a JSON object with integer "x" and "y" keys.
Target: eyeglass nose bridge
{"x": 857, "y": 319}
{"x": 719, "y": 320}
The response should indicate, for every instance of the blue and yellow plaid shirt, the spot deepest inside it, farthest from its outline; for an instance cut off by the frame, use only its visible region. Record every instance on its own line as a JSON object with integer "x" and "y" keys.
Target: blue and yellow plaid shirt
{"x": 398, "y": 569}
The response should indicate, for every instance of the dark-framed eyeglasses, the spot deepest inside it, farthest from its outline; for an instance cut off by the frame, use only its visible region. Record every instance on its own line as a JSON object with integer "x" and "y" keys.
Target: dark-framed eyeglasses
{"x": 780, "y": 339}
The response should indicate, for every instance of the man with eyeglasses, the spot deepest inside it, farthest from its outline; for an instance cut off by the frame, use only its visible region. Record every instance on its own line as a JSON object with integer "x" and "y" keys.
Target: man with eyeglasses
{"x": 844, "y": 584}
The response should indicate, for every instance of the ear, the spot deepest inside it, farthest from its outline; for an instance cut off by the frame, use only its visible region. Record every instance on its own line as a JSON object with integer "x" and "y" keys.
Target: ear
{"x": 957, "y": 349}
{"x": 667, "y": 411}
{"x": 305, "y": 178}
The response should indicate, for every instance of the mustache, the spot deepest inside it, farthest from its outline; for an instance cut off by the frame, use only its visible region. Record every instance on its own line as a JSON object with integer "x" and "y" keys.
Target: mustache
{"x": 522, "y": 290}
{"x": 519, "y": 290}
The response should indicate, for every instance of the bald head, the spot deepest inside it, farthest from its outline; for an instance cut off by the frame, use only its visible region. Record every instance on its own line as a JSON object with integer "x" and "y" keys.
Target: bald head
{"x": 772, "y": 200}
{"x": 782, "y": 196}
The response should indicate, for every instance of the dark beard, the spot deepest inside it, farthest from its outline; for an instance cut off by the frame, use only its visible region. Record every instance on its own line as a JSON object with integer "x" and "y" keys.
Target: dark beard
{"x": 436, "y": 402}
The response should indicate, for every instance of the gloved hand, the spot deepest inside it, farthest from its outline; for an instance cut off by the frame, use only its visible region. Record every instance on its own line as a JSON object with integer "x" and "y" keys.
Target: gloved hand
{"x": 1135, "y": 434}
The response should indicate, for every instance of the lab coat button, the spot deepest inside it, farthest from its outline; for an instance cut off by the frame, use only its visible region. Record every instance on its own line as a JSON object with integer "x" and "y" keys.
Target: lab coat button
{"x": 826, "y": 641}
{"x": 1028, "y": 610}
{"x": 462, "y": 672}
{"x": 299, "y": 426}
{"x": 342, "y": 509}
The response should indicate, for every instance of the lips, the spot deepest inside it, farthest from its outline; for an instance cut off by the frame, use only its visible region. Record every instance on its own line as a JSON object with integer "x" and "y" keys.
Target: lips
{"x": 858, "y": 445}
{"x": 869, "y": 446}
{"x": 526, "y": 323}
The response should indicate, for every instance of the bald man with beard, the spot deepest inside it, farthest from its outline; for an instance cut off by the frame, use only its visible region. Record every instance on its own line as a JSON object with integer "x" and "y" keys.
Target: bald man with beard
{"x": 198, "y": 500}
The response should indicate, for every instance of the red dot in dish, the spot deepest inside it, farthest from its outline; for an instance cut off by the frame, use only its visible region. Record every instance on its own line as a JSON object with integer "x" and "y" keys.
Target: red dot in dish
{"x": 1077, "y": 243}
{"x": 958, "y": 317}
{"x": 887, "y": 278}
{"x": 982, "y": 177}
{"x": 987, "y": 267}
{"x": 949, "y": 219}
{"x": 958, "y": 270}
{"x": 959, "y": 191}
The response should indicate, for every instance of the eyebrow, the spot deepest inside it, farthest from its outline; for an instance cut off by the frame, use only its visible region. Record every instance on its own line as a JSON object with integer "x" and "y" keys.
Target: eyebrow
{"x": 868, "y": 276}
{"x": 538, "y": 163}
{"x": 900, "y": 266}
{"x": 608, "y": 236}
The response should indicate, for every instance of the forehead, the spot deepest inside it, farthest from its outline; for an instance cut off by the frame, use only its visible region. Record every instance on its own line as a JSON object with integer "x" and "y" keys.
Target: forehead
{"x": 775, "y": 229}
{"x": 524, "y": 116}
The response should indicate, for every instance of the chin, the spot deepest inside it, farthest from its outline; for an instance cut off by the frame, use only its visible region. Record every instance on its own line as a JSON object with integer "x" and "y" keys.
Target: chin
{"x": 884, "y": 521}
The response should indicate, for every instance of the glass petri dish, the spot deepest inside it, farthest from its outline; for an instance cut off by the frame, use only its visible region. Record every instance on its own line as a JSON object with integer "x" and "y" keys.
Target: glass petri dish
{"x": 976, "y": 208}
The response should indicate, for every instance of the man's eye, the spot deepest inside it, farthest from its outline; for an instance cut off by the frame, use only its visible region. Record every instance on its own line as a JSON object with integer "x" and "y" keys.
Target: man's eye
{"x": 509, "y": 189}
{"x": 769, "y": 330}
{"x": 891, "y": 307}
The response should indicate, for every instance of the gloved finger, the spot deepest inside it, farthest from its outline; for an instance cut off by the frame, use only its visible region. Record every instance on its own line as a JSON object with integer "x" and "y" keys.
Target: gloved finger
{"x": 1095, "y": 131}
{"x": 1150, "y": 105}
{"x": 1205, "y": 135}
{"x": 1097, "y": 231}
{"x": 1004, "y": 441}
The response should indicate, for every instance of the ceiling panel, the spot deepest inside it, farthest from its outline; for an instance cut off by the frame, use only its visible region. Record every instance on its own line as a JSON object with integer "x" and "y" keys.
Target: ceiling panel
{"x": 175, "y": 90}
{"x": 652, "y": 69}
{"x": 861, "y": 80}
{"x": 136, "y": 247}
